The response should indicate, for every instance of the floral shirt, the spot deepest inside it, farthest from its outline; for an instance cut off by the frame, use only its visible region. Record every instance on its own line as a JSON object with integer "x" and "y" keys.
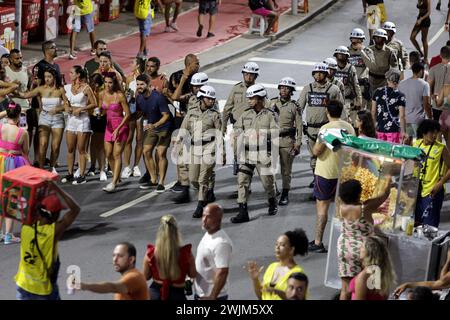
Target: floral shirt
{"x": 388, "y": 102}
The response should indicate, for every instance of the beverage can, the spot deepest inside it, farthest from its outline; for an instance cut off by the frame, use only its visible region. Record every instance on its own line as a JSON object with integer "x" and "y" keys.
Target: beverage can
{"x": 410, "y": 227}
{"x": 145, "y": 122}
{"x": 97, "y": 111}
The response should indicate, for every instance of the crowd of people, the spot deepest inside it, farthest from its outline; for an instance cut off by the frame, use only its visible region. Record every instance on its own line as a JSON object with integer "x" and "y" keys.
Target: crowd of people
{"x": 107, "y": 116}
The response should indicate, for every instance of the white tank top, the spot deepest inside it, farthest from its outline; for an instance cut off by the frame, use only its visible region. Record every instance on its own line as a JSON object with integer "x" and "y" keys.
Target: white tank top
{"x": 76, "y": 100}
{"x": 22, "y": 76}
{"x": 49, "y": 104}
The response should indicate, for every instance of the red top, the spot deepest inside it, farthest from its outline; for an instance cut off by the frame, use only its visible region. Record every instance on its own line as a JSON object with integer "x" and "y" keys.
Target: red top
{"x": 183, "y": 263}
{"x": 369, "y": 295}
{"x": 435, "y": 60}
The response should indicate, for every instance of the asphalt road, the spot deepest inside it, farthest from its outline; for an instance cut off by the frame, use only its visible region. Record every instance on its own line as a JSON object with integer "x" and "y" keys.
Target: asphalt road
{"x": 90, "y": 241}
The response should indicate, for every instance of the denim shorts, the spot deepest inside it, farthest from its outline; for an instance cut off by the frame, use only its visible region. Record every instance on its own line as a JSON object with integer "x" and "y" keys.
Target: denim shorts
{"x": 145, "y": 25}
{"x": 324, "y": 189}
{"x": 87, "y": 20}
{"x": 22, "y": 294}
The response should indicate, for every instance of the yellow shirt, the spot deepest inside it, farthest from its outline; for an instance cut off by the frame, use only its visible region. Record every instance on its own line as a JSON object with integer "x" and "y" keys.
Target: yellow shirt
{"x": 85, "y": 6}
{"x": 281, "y": 285}
{"x": 327, "y": 163}
{"x": 34, "y": 274}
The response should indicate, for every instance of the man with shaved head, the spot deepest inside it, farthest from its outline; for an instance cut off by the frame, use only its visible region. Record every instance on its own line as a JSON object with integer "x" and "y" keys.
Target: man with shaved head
{"x": 213, "y": 257}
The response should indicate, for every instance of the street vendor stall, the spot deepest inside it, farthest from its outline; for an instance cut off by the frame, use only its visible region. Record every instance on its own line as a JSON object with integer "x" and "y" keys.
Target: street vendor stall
{"x": 417, "y": 253}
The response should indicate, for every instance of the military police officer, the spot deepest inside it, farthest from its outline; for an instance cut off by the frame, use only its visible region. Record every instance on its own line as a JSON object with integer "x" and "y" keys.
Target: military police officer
{"x": 357, "y": 38}
{"x": 396, "y": 45}
{"x": 346, "y": 72}
{"x": 255, "y": 128}
{"x": 379, "y": 59}
{"x": 312, "y": 102}
{"x": 290, "y": 123}
{"x": 332, "y": 67}
{"x": 236, "y": 103}
{"x": 204, "y": 126}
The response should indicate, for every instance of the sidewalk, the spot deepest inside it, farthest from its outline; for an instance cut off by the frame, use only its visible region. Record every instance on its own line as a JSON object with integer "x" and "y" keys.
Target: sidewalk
{"x": 231, "y": 40}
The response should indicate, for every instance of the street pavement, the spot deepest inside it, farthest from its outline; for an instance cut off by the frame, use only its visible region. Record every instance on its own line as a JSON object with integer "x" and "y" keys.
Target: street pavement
{"x": 101, "y": 224}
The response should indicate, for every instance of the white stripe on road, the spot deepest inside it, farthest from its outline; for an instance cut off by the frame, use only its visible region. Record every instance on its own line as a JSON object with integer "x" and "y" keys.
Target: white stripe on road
{"x": 284, "y": 61}
{"x": 436, "y": 36}
{"x": 232, "y": 83}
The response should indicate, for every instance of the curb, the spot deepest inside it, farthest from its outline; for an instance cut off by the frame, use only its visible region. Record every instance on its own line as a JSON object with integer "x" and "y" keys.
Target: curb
{"x": 273, "y": 38}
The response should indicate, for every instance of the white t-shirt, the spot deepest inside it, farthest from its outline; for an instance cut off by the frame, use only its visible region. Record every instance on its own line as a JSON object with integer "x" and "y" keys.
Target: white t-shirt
{"x": 213, "y": 252}
{"x": 22, "y": 76}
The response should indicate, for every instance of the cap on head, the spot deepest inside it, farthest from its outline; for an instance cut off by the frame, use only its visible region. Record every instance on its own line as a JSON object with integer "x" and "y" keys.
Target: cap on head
{"x": 199, "y": 79}
{"x": 287, "y": 82}
{"x": 320, "y": 67}
{"x": 389, "y": 26}
{"x": 51, "y": 204}
{"x": 206, "y": 91}
{"x": 251, "y": 67}
{"x": 357, "y": 33}
{"x": 342, "y": 50}
{"x": 256, "y": 90}
{"x": 380, "y": 33}
{"x": 331, "y": 63}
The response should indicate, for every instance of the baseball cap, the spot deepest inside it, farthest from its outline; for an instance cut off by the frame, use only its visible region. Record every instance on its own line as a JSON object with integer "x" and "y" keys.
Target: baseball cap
{"x": 52, "y": 204}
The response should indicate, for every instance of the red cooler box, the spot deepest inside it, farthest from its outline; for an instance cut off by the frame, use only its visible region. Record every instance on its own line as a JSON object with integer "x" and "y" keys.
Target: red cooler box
{"x": 109, "y": 10}
{"x": 31, "y": 10}
{"x": 66, "y": 16}
{"x": 22, "y": 189}
{"x": 7, "y": 18}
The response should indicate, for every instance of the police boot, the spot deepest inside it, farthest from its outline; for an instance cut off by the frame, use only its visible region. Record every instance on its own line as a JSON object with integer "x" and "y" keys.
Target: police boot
{"x": 284, "y": 200}
{"x": 199, "y": 211}
{"x": 273, "y": 208}
{"x": 210, "y": 196}
{"x": 184, "y": 196}
{"x": 242, "y": 216}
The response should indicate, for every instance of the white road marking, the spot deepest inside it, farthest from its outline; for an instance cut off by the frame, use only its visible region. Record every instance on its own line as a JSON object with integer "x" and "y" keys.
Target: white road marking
{"x": 284, "y": 61}
{"x": 233, "y": 82}
{"x": 436, "y": 36}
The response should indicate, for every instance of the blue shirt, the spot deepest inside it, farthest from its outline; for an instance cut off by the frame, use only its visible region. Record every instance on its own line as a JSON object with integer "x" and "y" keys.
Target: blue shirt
{"x": 153, "y": 107}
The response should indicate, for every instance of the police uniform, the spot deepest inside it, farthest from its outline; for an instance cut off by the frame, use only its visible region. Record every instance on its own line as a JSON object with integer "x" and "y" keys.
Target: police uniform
{"x": 235, "y": 105}
{"x": 362, "y": 72}
{"x": 379, "y": 61}
{"x": 312, "y": 102}
{"x": 290, "y": 123}
{"x": 400, "y": 52}
{"x": 352, "y": 92}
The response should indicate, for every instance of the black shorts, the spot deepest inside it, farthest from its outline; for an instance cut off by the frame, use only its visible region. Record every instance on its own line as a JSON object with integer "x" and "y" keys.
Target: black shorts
{"x": 207, "y": 6}
{"x": 324, "y": 189}
{"x": 425, "y": 23}
{"x": 98, "y": 124}
{"x": 32, "y": 118}
{"x": 436, "y": 114}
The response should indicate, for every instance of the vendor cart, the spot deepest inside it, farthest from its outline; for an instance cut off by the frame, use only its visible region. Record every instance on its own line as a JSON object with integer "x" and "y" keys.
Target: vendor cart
{"x": 375, "y": 163}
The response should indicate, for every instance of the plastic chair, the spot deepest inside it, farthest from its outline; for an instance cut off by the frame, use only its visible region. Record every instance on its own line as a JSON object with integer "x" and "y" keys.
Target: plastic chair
{"x": 257, "y": 24}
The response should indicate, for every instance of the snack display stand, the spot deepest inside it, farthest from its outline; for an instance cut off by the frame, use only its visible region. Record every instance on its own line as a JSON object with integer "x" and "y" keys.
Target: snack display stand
{"x": 416, "y": 256}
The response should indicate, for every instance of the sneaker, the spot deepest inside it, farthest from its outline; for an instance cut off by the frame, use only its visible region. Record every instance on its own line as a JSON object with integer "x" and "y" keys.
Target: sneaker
{"x": 313, "y": 247}
{"x": 77, "y": 173}
{"x": 148, "y": 185}
{"x": 54, "y": 170}
{"x": 210, "y": 35}
{"x": 160, "y": 188}
{"x": 80, "y": 180}
{"x": 91, "y": 172}
{"x": 167, "y": 29}
{"x": 67, "y": 178}
{"x": 11, "y": 239}
{"x": 126, "y": 173}
{"x": 177, "y": 188}
{"x": 136, "y": 172}
{"x": 103, "y": 176}
{"x": 110, "y": 187}
{"x": 145, "y": 178}
{"x": 72, "y": 56}
{"x": 199, "y": 30}
{"x": 174, "y": 26}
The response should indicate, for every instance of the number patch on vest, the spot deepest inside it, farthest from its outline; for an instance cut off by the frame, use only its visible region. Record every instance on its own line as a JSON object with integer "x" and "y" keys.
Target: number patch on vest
{"x": 318, "y": 99}
{"x": 343, "y": 76}
{"x": 356, "y": 61}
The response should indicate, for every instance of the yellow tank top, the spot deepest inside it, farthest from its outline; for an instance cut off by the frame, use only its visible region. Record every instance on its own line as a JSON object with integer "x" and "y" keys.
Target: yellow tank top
{"x": 85, "y": 6}
{"x": 434, "y": 166}
{"x": 281, "y": 285}
{"x": 34, "y": 274}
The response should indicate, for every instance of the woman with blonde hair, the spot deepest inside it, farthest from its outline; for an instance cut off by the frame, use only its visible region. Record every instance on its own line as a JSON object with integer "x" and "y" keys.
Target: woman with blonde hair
{"x": 168, "y": 263}
{"x": 378, "y": 271}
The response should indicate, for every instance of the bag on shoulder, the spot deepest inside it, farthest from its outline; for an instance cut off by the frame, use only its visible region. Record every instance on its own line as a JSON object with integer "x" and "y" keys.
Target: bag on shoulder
{"x": 141, "y": 9}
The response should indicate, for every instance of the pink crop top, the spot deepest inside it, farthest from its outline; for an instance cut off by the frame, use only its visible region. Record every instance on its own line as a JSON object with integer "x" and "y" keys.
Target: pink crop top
{"x": 8, "y": 145}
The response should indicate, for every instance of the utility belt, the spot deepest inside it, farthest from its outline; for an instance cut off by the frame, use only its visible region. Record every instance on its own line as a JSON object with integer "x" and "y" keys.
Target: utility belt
{"x": 290, "y": 132}
{"x": 232, "y": 119}
{"x": 366, "y": 92}
{"x": 268, "y": 149}
{"x": 377, "y": 76}
{"x": 315, "y": 125}
{"x": 350, "y": 96}
{"x": 203, "y": 141}
{"x": 313, "y": 137}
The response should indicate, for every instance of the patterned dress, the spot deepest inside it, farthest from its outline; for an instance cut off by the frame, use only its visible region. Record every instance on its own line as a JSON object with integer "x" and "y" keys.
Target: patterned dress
{"x": 353, "y": 234}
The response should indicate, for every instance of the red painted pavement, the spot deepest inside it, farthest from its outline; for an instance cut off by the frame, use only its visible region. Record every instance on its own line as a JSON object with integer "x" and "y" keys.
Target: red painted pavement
{"x": 232, "y": 20}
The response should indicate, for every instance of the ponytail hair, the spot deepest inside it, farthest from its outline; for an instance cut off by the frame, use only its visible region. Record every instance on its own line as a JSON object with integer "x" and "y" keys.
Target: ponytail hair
{"x": 82, "y": 72}
{"x": 167, "y": 248}
{"x": 13, "y": 110}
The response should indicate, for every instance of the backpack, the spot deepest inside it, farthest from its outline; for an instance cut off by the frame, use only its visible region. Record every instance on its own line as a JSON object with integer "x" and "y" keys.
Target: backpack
{"x": 141, "y": 9}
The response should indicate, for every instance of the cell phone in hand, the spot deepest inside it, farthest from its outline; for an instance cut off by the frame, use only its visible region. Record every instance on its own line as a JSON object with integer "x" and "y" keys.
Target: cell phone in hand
{"x": 23, "y": 120}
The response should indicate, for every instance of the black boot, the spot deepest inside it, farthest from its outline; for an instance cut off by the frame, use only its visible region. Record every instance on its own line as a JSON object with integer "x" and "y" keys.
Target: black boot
{"x": 273, "y": 208}
{"x": 210, "y": 196}
{"x": 199, "y": 211}
{"x": 184, "y": 196}
{"x": 242, "y": 216}
{"x": 284, "y": 200}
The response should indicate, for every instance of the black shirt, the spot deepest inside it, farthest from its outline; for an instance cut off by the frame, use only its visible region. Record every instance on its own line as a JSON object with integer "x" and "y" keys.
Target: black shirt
{"x": 175, "y": 78}
{"x": 44, "y": 65}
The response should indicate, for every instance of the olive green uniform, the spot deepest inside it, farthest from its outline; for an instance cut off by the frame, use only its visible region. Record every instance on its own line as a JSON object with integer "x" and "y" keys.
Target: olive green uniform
{"x": 312, "y": 102}
{"x": 291, "y": 128}
{"x": 352, "y": 92}
{"x": 400, "y": 52}
{"x": 362, "y": 73}
{"x": 251, "y": 128}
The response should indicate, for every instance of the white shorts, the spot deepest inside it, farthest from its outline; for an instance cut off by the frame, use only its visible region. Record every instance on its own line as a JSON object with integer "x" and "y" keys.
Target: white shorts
{"x": 52, "y": 121}
{"x": 79, "y": 124}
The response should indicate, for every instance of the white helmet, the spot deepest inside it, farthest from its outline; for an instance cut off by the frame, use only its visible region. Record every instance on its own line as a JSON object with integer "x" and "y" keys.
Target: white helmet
{"x": 380, "y": 33}
{"x": 331, "y": 63}
{"x": 207, "y": 91}
{"x": 342, "y": 50}
{"x": 389, "y": 26}
{"x": 357, "y": 33}
{"x": 256, "y": 90}
{"x": 320, "y": 67}
{"x": 251, "y": 67}
{"x": 199, "y": 79}
{"x": 287, "y": 82}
